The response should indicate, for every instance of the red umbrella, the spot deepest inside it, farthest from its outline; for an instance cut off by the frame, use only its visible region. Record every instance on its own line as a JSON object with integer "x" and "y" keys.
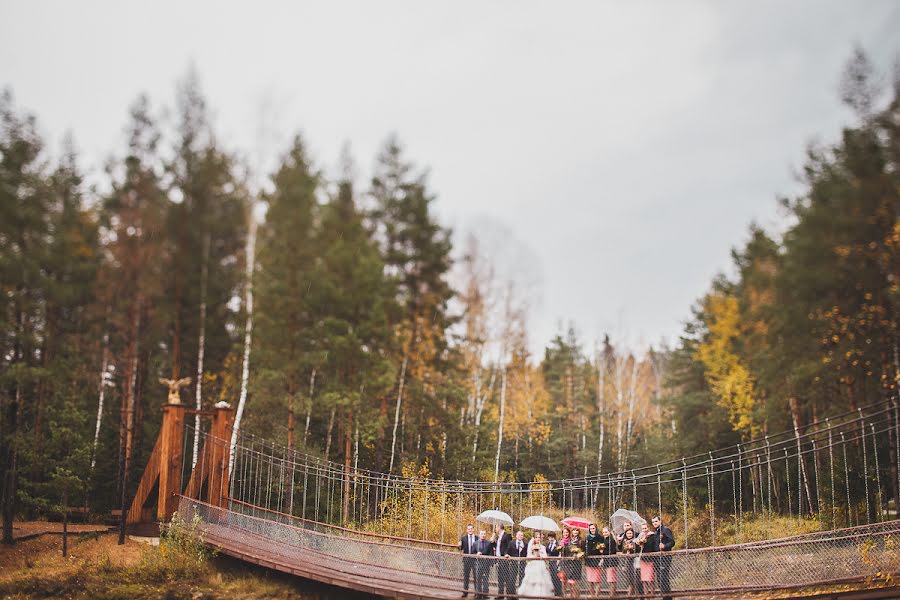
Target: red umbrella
{"x": 577, "y": 522}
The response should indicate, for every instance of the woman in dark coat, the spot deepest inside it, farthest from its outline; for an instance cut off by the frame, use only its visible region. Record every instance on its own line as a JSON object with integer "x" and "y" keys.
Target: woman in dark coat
{"x": 647, "y": 543}
{"x": 610, "y": 562}
{"x": 593, "y": 551}
{"x": 630, "y": 548}
{"x": 573, "y": 550}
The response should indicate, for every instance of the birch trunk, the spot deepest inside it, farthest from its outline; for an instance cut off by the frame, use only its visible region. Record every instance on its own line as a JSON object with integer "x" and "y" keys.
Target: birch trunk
{"x": 201, "y": 346}
{"x": 397, "y": 413}
{"x": 104, "y": 367}
{"x": 601, "y": 406}
{"x": 795, "y": 417}
{"x": 328, "y": 435}
{"x": 309, "y": 405}
{"x": 500, "y": 425}
{"x": 480, "y": 401}
{"x": 248, "y": 338}
{"x": 632, "y": 399}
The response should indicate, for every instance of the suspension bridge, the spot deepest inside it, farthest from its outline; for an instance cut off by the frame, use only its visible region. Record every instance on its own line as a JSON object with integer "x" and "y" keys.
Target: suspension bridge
{"x": 397, "y": 535}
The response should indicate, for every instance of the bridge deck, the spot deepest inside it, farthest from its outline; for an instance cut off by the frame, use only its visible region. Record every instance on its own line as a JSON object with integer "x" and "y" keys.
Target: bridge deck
{"x": 398, "y": 571}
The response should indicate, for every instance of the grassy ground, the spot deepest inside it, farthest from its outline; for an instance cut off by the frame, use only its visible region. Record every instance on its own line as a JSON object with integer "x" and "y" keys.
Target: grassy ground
{"x": 99, "y": 569}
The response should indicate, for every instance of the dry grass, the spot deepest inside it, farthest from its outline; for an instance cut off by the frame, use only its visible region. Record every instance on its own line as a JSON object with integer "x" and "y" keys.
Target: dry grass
{"x": 99, "y": 569}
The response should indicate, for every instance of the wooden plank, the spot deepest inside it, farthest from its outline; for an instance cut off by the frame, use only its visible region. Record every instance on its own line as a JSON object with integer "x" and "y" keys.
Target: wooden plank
{"x": 148, "y": 480}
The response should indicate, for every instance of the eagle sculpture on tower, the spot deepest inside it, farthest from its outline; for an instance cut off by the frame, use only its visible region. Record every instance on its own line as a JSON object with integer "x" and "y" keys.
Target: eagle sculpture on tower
{"x": 174, "y": 386}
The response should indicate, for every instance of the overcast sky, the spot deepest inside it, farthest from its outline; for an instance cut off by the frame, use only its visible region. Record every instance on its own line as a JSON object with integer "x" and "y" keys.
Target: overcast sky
{"x": 624, "y": 147}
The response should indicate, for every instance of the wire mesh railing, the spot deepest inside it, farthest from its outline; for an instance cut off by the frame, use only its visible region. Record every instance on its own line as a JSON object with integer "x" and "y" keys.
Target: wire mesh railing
{"x": 824, "y": 557}
{"x": 842, "y": 473}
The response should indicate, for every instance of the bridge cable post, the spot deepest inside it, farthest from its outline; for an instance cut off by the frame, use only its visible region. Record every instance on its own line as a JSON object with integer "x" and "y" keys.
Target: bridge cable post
{"x": 409, "y": 511}
{"x": 897, "y": 469}
{"x": 281, "y": 480}
{"x": 658, "y": 493}
{"x": 684, "y": 499}
{"x": 305, "y": 485}
{"x": 740, "y": 499}
{"x": 831, "y": 472}
{"x": 634, "y": 491}
{"x": 425, "y": 517}
{"x": 816, "y": 474}
{"x": 846, "y": 479}
{"x": 866, "y": 470}
{"x": 769, "y": 478}
{"x": 711, "y": 473}
{"x": 879, "y": 515}
{"x": 734, "y": 498}
{"x": 799, "y": 484}
{"x": 443, "y": 508}
{"x": 291, "y": 489}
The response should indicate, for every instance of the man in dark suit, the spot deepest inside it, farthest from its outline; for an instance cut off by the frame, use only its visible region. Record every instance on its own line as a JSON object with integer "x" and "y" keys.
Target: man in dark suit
{"x": 664, "y": 541}
{"x": 469, "y": 546}
{"x": 518, "y": 549}
{"x": 505, "y": 574}
{"x": 484, "y": 551}
{"x": 553, "y": 551}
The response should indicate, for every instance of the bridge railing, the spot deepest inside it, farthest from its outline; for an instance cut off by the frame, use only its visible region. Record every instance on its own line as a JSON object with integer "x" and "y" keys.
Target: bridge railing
{"x": 824, "y": 557}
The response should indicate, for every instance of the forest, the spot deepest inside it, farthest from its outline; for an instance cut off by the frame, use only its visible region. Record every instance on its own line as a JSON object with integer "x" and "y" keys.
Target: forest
{"x": 345, "y": 323}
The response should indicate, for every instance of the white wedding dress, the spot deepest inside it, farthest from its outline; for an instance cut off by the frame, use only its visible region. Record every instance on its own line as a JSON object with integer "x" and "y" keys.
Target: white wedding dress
{"x": 536, "y": 581}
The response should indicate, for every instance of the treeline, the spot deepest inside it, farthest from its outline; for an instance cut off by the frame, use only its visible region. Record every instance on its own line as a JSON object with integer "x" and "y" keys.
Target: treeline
{"x": 372, "y": 342}
{"x": 808, "y": 324}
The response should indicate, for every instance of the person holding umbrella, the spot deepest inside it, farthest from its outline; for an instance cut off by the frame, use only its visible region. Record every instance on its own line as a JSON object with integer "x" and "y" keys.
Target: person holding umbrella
{"x": 506, "y": 576}
{"x": 630, "y": 570}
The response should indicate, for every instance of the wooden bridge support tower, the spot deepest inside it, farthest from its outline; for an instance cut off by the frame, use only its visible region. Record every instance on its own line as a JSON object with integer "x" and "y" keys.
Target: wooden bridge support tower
{"x": 164, "y": 469}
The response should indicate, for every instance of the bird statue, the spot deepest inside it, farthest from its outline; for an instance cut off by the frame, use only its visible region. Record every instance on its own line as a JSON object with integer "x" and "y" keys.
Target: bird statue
{"x": 174, "y": 386}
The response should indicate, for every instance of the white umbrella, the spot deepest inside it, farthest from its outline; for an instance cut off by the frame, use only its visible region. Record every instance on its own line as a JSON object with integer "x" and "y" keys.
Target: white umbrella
{"x": 621, "y": 516}
{"x": 540, "y": 523}
{"x": 495, "y": 517}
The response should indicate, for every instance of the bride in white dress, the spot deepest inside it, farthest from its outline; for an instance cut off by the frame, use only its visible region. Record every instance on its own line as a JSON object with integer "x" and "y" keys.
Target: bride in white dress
{"x": 536, "y": 581}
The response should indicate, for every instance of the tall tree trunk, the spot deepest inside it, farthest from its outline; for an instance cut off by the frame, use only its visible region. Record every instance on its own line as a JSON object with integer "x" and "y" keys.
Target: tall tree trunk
{"x": 201, "y": 345}
{"x": 397, "y": 412}
{"x": 480, "y": 401}
{"x": 126, "y": 430}
{"x": 65, "y": 523}
{"x": 328, "y": 435}
{"x": 347, "y": 452}
{"x": 795, "y": 417}
{"x": 500, "y": 425}
{"x": 9, "y": 456}
{"x": 309, "y": 405}
{"x": 248, "y": 336}
{"x": 104, "y": 366}
{"x": 290, "y": 428}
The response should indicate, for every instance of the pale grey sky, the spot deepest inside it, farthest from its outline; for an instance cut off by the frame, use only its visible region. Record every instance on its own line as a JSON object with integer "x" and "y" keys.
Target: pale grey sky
{"x": 628, "y": 144}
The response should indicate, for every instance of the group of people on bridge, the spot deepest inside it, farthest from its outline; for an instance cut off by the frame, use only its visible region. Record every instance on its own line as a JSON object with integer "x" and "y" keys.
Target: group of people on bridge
{"x": 546, "y": 567}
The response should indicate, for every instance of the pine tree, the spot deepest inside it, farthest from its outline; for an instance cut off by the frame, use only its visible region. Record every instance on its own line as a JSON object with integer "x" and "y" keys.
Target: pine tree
{"x": 288, "y": 340}
{"x": 416, "y": 253}
{"x": 24, "y": 233}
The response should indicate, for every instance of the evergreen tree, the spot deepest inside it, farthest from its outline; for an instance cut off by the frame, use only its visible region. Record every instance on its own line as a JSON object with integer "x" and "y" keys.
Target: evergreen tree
{"x": 288, "y": 343}
{"x": 416, "y": 253}
{"x": 24, "y": 234}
